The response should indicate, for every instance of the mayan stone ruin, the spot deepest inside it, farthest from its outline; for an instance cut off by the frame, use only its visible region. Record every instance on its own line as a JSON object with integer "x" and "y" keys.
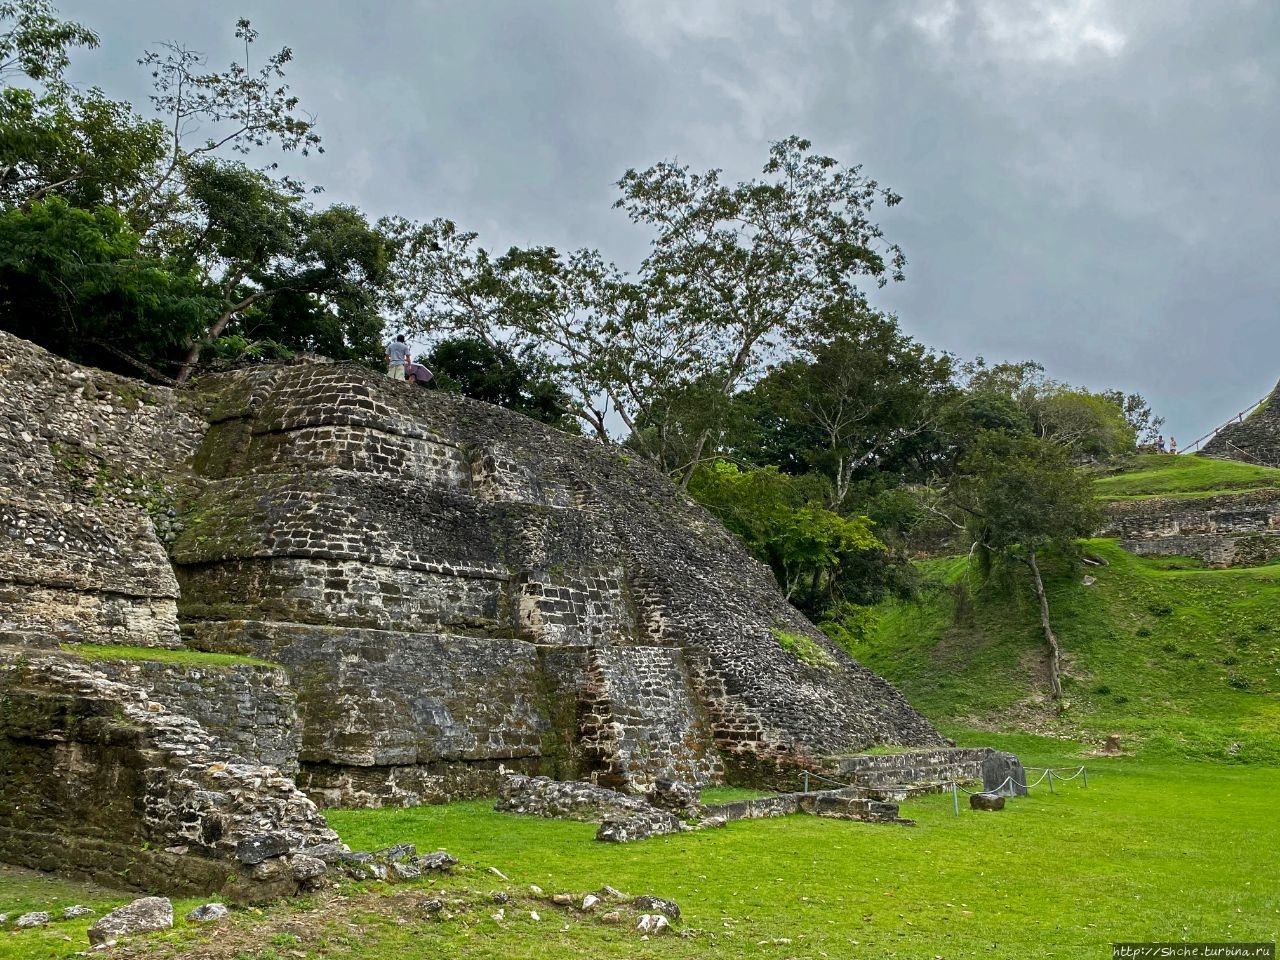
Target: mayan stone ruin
{"x": 1255, "y": 439}
{"x": 420, "y": 592}
{"x": 1223, "y": 529}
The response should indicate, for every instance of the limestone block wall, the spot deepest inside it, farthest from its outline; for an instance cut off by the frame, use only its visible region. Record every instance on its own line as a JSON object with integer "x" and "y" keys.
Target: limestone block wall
{"x": 915, "y": 767}
{"x": 584, "y": 608}
{"x": 638, "y": 702}
{"x": 450, "y": 588}
{"x": 88, "y": 471}
{"x": 248, "y": 711}
{"x": 434, "y": 518}
{"x": 1223, "y": 530}
{"x": 99, "y": 780}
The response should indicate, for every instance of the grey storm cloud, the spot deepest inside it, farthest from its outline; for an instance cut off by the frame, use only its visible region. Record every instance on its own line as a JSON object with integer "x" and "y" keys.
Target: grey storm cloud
{"x": 1088, "y": 184}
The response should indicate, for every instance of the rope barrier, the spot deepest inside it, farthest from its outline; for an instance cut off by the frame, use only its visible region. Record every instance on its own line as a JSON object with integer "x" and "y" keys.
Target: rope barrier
{"x": 1238, "y": 418}
{"x": 1046, "y": 773}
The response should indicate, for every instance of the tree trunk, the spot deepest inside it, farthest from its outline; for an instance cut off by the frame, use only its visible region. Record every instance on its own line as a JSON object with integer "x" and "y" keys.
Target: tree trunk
{"x": 697, "y": 456}
{"x": 1055, "y": 652}
{"x": 199, "y": 343}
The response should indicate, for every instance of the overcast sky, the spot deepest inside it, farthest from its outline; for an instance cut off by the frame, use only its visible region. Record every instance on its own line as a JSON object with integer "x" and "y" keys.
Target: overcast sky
{"x": 1094, "y": 185}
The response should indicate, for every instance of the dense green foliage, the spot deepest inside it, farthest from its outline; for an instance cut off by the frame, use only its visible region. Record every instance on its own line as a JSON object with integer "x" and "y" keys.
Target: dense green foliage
{"x": 128, "y": 243}
{"x": 482, "y": 371}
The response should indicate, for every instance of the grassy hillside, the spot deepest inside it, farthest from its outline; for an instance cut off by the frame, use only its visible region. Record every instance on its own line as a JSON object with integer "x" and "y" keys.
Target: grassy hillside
{"x": 1183, "y": 662}
{"x": 1156, "y": 475}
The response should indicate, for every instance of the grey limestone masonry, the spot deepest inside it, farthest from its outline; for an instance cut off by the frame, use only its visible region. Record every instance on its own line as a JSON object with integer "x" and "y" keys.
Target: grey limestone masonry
{"x": 450, "y": 591}
{"x": 1229, "y": 529}
{"x": 442, "y": 519}
{"x": 638, "y": 701}
{"x": 915, "y": 767}
{"x": 1256, "y": 439}
{"x": 248, "y": 710}
{"x": 99, "y": 780}
{"x": 86, "y": 496}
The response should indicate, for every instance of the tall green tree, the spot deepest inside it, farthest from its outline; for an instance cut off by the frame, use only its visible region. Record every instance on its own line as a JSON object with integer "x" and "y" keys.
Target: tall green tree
{"x": 78, "y": 282}
{"x": 736, "y": 272}
{"x": 259, "y": 242}
{"x": 780, "y": 518}
{"x": 859, "y": 389}
{"x": 35, "y": 43}
{"x": 1020, "y": 496}
{"x": 751, "y": 266}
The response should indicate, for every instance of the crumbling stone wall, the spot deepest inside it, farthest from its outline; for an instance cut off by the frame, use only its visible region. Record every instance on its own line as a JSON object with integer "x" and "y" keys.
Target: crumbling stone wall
{"x": 98, "y": 780}
{"x": 638, "y": 701}
{"x": 915, "y": 767}
{"x": 248, "y": 710}
{"x": 1256, "y": 439}
{"x": 451, "y": 589}
{"x": 1230, "y": 529}
{"x": 88, "y": 467}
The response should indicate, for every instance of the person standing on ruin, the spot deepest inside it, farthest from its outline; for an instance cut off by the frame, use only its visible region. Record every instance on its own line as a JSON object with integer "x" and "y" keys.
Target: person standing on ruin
{"x": 1173, "y": 445}
{"x": 397, "y": 358}
{"x": 1159, "y": 439}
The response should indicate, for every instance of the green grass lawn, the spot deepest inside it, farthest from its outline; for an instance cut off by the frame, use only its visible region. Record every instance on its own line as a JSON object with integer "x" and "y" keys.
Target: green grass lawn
{"x": 1151, "y": 850}
{"x": 1156, "y": 475}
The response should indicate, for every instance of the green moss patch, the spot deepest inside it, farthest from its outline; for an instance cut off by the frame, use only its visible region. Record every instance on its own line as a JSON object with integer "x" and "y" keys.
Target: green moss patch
{"x": 194, "y": 658}
{"x": 804, "y": 648}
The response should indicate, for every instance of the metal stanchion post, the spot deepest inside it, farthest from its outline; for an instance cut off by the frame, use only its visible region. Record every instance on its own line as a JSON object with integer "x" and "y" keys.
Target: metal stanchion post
{"x": 806, "y": 781}
{"x": 955, "y": 799}
{"x": 1085, "y": 773}
{"x": 1051, "y": 790}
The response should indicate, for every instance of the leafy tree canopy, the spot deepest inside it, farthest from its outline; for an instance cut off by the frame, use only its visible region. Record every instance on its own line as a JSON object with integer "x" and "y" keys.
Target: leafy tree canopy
{"x": 484, "y": 372}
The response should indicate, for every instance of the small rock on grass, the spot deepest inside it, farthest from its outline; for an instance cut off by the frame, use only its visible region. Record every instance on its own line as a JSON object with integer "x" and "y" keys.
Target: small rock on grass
{"x": 207, "y": 913}
{"x": 70, "y": 913}
{"x": 562, "y": 899}
{"x": 441, "y": 860}
{"x": 590, "y": 901}
{"x": 37, "y": 918}
{"x": 653, "y": 923}
{"x": 141, "y": 916}
{"x": 668, "y": 908}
